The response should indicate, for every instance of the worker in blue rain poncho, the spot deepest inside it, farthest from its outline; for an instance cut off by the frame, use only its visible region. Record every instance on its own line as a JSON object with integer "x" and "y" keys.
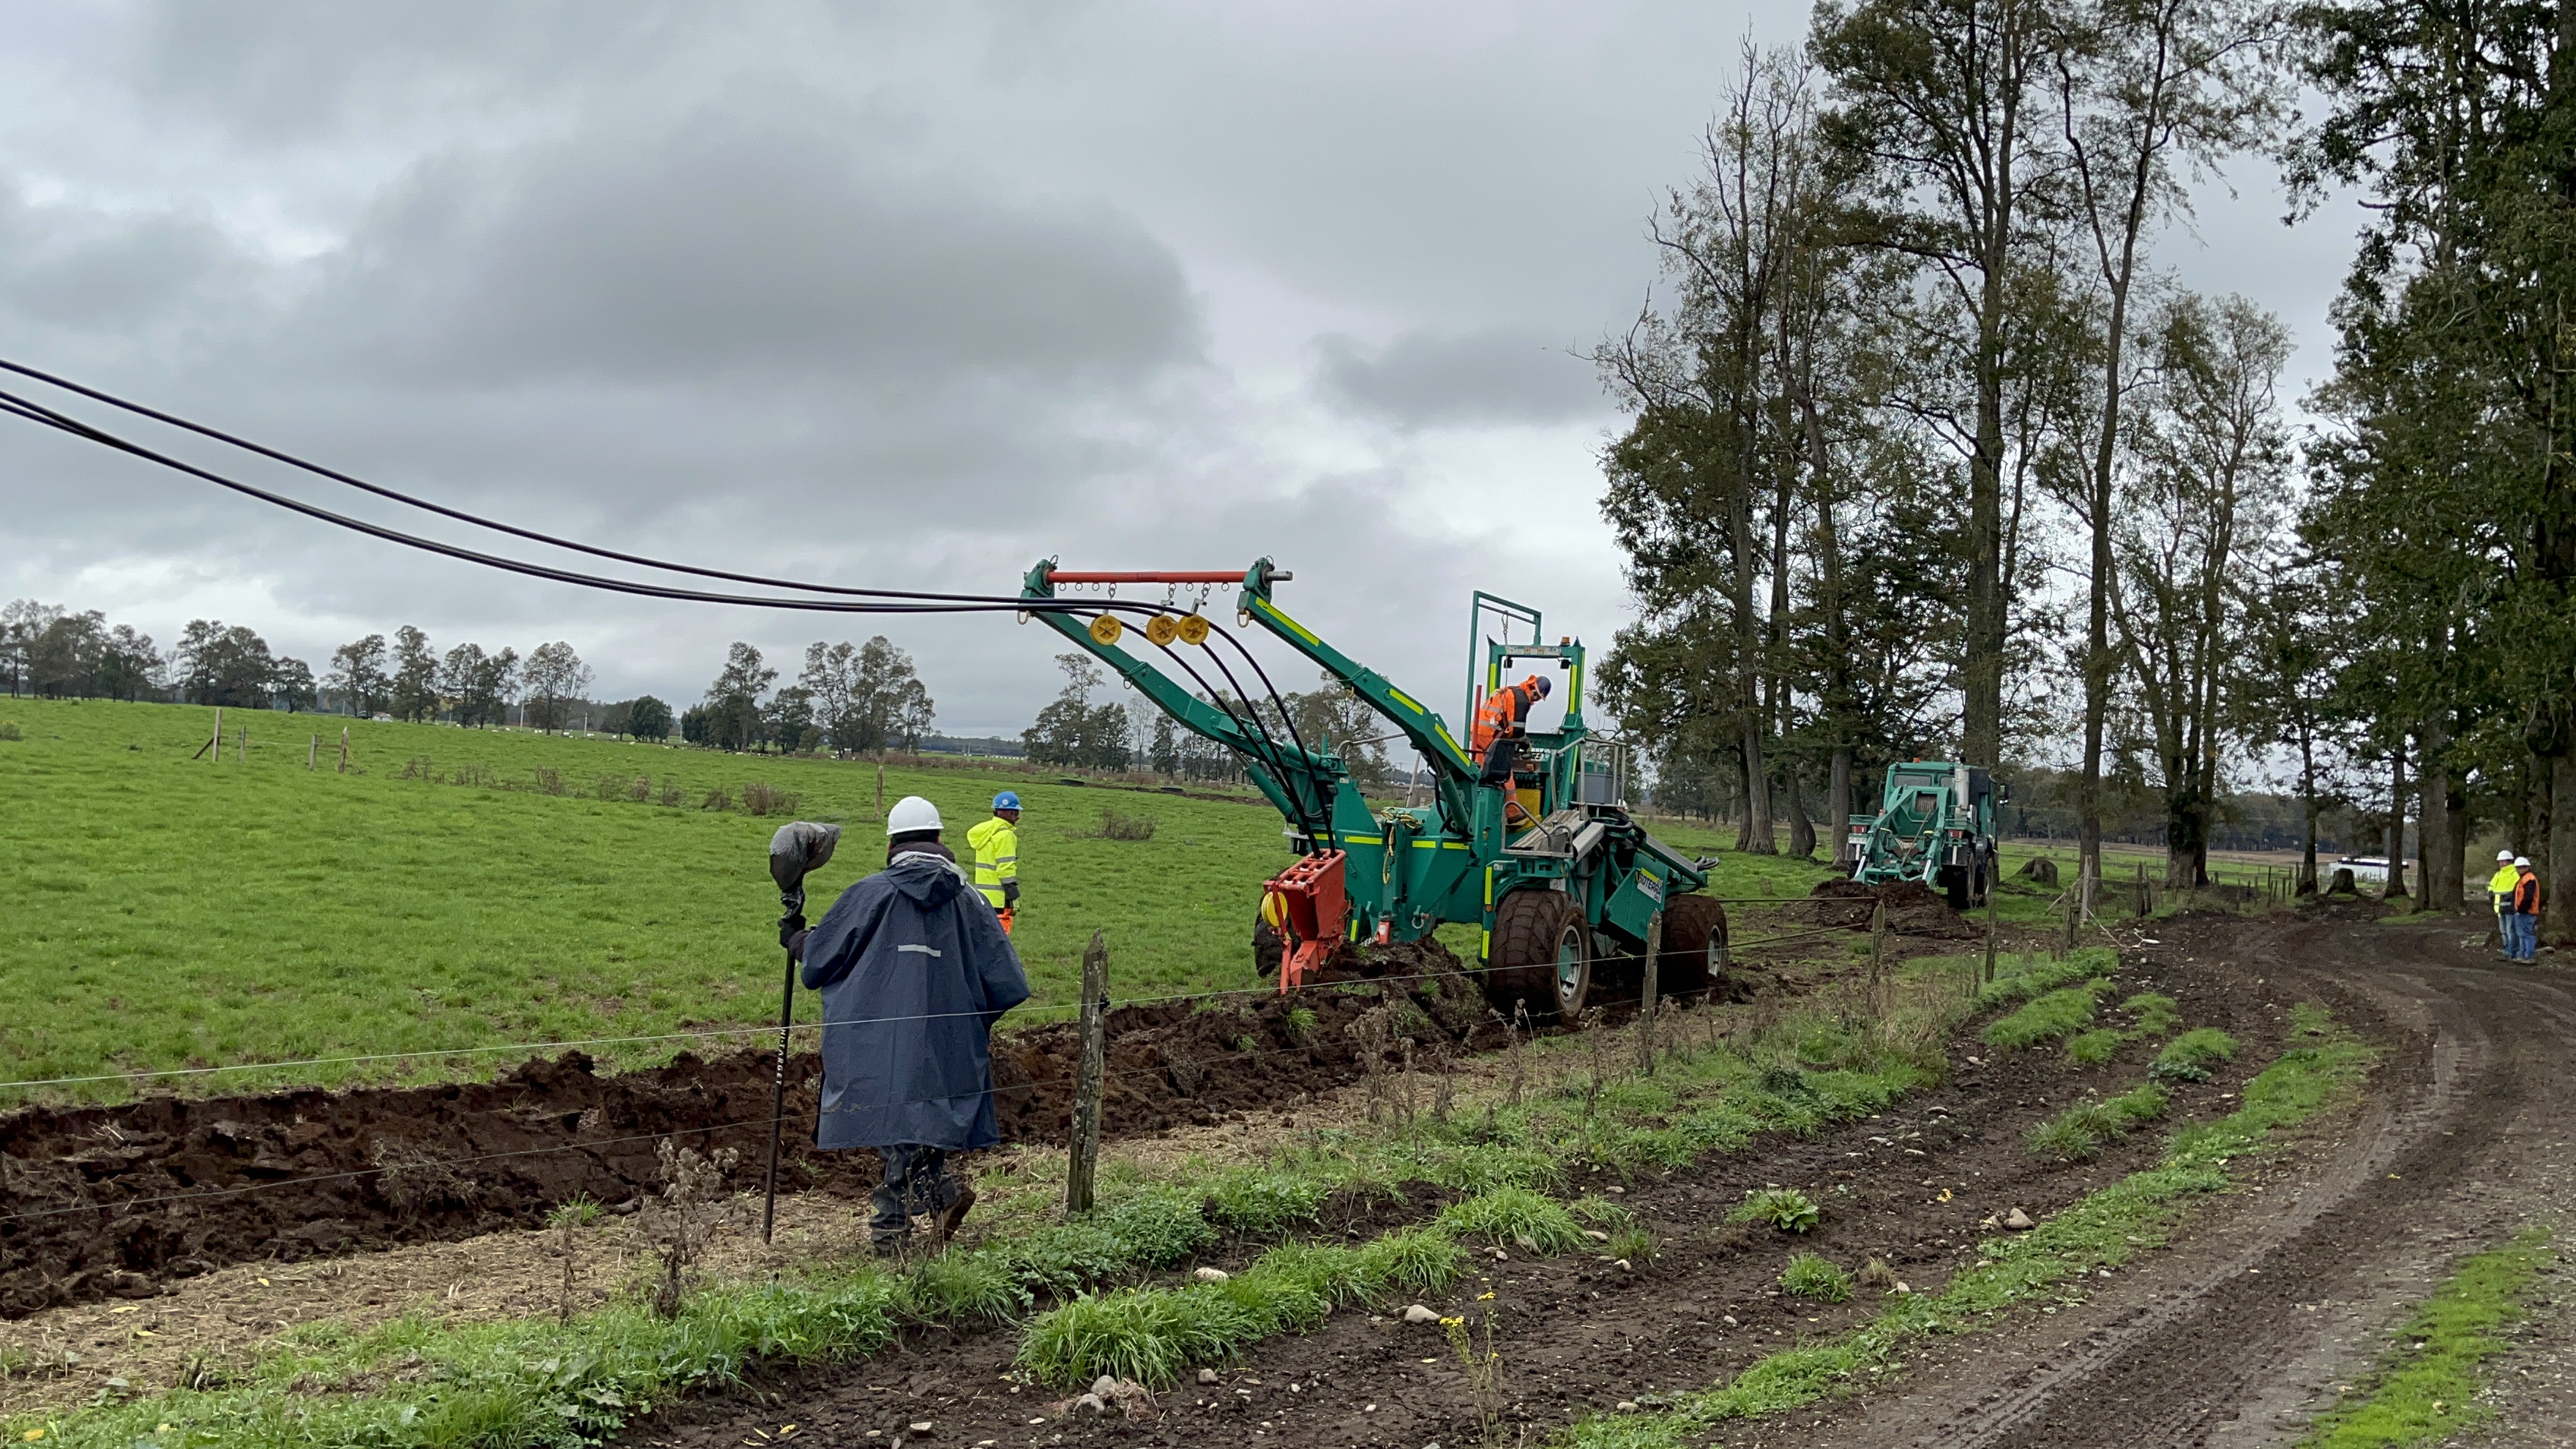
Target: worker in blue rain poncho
{"x": 914, "y": 969}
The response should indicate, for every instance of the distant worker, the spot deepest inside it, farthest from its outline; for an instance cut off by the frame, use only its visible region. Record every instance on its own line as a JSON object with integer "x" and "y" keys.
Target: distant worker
{"x": 914, "y": 970}
{"x": 1500, "y": 723}
{"x": 2525, "y": 914}
{"x": 996, "y": 844}
{"x": 2500, "y": 893}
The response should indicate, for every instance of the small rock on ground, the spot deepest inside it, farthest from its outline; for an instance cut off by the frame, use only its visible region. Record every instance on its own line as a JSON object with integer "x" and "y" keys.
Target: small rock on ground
{"x": 1419, "y": 1314}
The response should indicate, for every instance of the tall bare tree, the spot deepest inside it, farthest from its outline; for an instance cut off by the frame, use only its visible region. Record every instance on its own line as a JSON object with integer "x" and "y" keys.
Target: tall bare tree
{"x": 2205, "y": 495}
{"x": 2152, "y": 90}
{"x": 1946, "y": 102}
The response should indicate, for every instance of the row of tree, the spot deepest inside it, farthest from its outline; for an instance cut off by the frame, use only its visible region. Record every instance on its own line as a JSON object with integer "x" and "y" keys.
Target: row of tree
{"x": 56, "y": 653}
{"x": 411, "y": 680}
{"x": 854, "y": 699}
{"x": 1928, "y": 458}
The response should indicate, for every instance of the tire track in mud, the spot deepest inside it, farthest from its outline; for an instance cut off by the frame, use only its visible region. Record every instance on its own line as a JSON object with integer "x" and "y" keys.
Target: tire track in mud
{"x": 2239, "y": 1336}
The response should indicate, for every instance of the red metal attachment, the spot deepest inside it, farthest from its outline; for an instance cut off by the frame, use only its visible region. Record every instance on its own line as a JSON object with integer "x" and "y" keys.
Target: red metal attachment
{"x": 1308, "y": 905}
{"x": 1222, "y": 576}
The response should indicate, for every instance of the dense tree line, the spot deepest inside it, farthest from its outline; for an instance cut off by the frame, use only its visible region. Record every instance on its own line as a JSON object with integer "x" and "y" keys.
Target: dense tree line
{"x": 1927, "y": 458}
{"x": 55, "y": 653}
{"x": 852, "y": 699}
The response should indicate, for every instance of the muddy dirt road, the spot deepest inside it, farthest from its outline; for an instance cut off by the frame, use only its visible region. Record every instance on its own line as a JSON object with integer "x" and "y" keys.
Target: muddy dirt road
{"x": 2242, "y": 1335}
{"x": 2237, "y": 1336}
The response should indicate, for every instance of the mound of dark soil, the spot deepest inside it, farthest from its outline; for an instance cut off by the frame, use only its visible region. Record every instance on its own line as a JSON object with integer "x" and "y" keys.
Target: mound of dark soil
{"x": 1913, "y": 909}
{"x": 108, "y": 1201}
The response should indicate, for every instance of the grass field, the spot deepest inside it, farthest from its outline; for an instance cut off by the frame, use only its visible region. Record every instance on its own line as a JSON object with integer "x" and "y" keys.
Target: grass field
{"x": 168, "y": 912}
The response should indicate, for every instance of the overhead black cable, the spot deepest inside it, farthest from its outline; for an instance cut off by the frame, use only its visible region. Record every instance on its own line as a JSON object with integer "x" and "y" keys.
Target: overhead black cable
{"x": 959, "y": 604}
{"x": 442, "y": 510}
{"x": 1268, "y": 752}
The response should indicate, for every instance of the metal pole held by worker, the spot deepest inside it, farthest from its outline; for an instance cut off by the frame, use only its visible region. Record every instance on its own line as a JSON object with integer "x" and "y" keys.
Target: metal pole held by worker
{"x": 798, "y": 849}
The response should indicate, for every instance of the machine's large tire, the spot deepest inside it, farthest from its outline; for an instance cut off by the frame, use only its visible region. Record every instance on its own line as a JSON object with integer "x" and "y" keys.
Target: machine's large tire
{"x": 1954, "y": 885}
{"x": 1542, "y": 957}
{"x": 1694, "y": 954}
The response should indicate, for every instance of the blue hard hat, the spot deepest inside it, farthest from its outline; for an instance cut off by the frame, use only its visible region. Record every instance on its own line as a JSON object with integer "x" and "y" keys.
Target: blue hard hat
{"x": 1007, "y": 800}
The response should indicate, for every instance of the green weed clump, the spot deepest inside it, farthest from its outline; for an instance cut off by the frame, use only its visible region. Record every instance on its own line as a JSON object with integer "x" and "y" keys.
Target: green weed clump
{"x": 1785, "y": 1208}
{"x": 1266, "y": 1203}
{"x": 2093, "y": 1048}
{"x": 1151, "y": 1336}
{"x": 2188, "y": 1057}
{"x": 1154, "y": 1335}
{"x": 1633, "y": 1244}
{"x": 9, "y": 730}
{"x": 2078, "y": 1132}
{"x": 2022, "y": 978}
{"x": 2059, "y": 1013}
{"x": 2155, "y": 1013}
{"x": 964, "y": 1288}
{"x": 1811, "y": 1276}
{"x": 1508, "y": 1215}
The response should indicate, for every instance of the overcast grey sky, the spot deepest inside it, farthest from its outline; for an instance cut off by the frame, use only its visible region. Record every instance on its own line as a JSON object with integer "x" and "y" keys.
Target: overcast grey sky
{"x": 899, "y": 295}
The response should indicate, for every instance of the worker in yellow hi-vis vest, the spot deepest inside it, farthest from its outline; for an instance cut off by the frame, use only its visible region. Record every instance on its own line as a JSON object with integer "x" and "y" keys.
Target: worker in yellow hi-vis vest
{"x": 996, "y": 844}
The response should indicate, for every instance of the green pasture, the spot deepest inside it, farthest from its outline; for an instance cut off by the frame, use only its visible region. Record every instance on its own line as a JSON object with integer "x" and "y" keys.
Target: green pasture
{"x": 169, "y": 911}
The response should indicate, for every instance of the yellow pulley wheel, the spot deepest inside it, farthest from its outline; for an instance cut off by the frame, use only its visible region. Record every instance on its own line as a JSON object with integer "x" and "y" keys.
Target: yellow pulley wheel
{"x": 1194, "y": 630}
{"x": 1162, "y": 629}
{"x": 1105, "y": 629}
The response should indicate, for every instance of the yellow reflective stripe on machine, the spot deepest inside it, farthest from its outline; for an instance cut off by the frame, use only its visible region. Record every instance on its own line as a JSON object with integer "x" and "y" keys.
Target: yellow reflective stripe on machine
{"x": 1485, "y": 952}
{"x": 1443, "y": 732}
{"x": 1271, "y": 609}
{"x": 1440, "y": 845}
{"x": 1400, "y": 697}
{"x": 1489, "y": 887}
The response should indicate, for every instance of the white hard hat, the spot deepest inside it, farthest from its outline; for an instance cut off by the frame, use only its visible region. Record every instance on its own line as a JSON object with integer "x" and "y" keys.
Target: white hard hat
{"x": 912, "y": 815}
{"x": 2522, "y": 860}
{"x": 2504, "y": 855}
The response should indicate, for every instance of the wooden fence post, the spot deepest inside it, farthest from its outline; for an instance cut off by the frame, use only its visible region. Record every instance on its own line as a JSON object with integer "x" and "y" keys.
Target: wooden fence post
{"x": 244, "y": 756}
{"x": 1646, "y": 1001}
{"x": 1877, "y": 950}
{"x": 1086, "y": 1082}
{"x": 344, "y": 749}
{"x": 313, "y": 753}
{"x": 215, "y": 756}
{"x": 881, "y": 787}
{"x": 1994, "y": 888}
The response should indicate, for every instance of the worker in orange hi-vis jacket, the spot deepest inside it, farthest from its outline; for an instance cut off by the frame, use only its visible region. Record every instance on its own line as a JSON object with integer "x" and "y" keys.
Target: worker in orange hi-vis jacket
{"x": 1496, "y": 734}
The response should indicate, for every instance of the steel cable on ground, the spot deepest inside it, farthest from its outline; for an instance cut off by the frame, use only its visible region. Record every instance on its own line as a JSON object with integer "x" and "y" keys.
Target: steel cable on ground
{"x": 711, "y": 1033}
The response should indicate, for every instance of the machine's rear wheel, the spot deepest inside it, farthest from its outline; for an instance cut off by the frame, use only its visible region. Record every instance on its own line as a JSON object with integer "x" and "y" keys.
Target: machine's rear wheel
{"x": 1954, "y": 885}
{"x": 1542, "y": 956}
{"x": 1694, "y": 954}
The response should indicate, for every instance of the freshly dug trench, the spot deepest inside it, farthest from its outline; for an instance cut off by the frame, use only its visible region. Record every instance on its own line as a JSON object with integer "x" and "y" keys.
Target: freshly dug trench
{"x": 108, "y": 1201}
